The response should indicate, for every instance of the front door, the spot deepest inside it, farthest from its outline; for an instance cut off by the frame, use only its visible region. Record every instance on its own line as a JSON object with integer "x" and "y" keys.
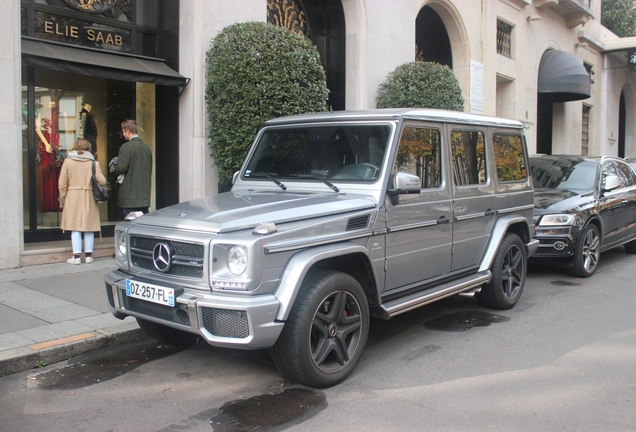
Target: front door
{"x": 615, "y": 207}
{"x": 419, "y": 228}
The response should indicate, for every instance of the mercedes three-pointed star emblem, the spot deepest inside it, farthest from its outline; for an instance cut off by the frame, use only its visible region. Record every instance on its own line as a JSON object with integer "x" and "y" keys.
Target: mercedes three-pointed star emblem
{"x": 162, "y": 257}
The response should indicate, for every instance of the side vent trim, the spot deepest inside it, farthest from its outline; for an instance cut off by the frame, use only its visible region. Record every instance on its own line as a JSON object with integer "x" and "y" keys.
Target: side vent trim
{"x": 356, "y": 223}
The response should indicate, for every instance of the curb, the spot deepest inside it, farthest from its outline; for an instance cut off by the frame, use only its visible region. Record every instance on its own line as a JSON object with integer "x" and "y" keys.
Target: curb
{"x": 26, "y": 358}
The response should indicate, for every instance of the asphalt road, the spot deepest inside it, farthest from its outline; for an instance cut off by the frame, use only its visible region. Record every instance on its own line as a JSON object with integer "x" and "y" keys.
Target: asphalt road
{"x": 564, "y": 359}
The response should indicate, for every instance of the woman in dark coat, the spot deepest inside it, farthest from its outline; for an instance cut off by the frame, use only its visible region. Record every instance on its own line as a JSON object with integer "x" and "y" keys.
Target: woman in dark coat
{"x": 80, "y": 211}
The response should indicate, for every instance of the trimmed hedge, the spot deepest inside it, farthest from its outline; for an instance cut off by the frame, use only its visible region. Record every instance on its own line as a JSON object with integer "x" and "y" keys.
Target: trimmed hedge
{"x": 255, "y": 72}
{"x": 421, "y": 85}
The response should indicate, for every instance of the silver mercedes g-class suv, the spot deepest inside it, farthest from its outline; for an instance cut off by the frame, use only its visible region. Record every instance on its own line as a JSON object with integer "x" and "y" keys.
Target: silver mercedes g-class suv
{"x": 334, "y": 218}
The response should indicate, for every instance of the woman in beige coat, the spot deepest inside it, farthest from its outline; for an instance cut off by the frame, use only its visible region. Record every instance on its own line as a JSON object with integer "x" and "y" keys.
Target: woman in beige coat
{"x": 80, "y": 212}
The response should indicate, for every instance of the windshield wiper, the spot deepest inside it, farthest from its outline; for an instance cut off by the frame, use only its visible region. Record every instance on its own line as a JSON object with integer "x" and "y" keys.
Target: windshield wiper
{"x": 269, "y": 176}
{"x": 322, "y": 179}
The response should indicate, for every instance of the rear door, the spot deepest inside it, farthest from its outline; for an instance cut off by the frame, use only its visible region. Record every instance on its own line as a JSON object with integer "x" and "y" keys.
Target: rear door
{"x": 419, "y": 228}
{"x": 513, "y": 190}
{"x": 473, "y": 196}
{"x": 629, "y": 178}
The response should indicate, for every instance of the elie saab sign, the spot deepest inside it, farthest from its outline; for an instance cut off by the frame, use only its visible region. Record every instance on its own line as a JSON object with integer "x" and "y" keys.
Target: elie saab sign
{"x": 83, "y": 32}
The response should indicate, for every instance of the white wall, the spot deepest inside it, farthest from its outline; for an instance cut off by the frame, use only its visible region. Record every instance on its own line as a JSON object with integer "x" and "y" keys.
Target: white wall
{"x": 200, "y": 22}
{"x": 11, "y": 192}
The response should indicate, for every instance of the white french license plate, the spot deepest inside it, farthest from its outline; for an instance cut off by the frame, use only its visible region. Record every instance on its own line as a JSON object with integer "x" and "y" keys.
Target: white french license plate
{"x": 151, "y": 293}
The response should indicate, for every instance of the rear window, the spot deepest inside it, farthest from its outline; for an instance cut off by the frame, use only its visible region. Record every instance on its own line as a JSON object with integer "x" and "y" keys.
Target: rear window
{"x": 509, "y": 158}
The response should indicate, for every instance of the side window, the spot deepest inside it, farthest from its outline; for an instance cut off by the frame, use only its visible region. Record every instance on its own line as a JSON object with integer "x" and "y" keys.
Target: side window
{"x": 627, "y": 174}
{"x": 420, "y": 154}
{"x": 511, "y": 165}
{"x": 469, "y": 157}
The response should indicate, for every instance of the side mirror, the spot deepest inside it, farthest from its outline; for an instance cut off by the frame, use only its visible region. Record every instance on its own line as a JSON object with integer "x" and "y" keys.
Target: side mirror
{"x": 404, "y": 184}
{"x": 235, "y": 176}
{"x": 611, "y": 183}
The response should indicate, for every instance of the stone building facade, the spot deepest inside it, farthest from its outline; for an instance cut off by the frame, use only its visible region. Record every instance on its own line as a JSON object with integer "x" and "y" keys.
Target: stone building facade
{"x": 547, "y": 63}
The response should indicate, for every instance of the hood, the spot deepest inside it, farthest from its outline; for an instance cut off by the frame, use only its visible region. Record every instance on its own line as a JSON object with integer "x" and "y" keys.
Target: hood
{"x": 556, "y": 200}
{"x": 234, "y": 211}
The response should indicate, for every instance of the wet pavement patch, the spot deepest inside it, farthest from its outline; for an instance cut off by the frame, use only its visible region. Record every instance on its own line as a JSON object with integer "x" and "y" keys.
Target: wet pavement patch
{"x": 268, "y": 412}
{"x": 564, "y": 283}
{"x": 102, "y": 365}
{"x": 464, "y": 320}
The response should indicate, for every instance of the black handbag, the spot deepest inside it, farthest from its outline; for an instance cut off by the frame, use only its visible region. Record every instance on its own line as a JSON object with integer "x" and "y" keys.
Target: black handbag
{"x": 99, "y": 193}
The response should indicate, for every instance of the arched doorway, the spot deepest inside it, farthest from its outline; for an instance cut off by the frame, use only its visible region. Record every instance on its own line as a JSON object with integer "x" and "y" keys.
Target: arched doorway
{"x": 432, "y": 43}
{"x": 324, "y": 24}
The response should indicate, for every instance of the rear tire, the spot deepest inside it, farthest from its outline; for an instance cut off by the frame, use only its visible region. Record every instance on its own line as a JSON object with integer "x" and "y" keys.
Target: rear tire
{"x": 631, "y": 247}
{"x": 587, "y": 254}
{"x": 325, "y": 334}
{"x": 166, "y": 335}
{"x": 508, "y": 275}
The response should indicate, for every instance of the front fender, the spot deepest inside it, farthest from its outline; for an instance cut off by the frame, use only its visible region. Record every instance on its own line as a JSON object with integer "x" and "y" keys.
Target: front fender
{"x": 299, "y": 265}
{"x": 499, "y": 231}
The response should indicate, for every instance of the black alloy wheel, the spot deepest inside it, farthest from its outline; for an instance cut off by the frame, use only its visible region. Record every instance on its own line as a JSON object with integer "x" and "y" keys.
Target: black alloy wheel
{"x": 587, "y": 254}
{"x": 508, "y": 275}
{"x": 326, "y": 332}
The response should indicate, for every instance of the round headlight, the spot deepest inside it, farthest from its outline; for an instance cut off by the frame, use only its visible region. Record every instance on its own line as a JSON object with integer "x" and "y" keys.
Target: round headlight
{"x": 121, "y": 243}
{"x": 237, "y": 259}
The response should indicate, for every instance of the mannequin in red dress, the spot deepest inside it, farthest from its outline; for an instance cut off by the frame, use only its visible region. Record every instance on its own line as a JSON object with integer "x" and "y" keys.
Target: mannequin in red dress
{"x": 48, "y": 145}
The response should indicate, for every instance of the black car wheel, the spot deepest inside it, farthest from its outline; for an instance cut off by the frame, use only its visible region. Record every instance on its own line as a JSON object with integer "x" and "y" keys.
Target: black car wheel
{"x": 326, "y": 332}
{"x": 508, "y": 275}
{"x": 167, "y": 335}
{"x": 631, "y": 247}
{"x": 587, "y": 254}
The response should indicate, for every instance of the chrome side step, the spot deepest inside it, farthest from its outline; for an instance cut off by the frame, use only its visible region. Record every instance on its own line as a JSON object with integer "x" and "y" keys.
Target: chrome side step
{"x": 470, "y": 293}
{"x": 468, "y": 285}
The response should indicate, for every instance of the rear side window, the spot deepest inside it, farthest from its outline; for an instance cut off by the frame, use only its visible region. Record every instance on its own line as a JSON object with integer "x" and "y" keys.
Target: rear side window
{"x": 626, "y": 173}
{"x": 469, "y": 157}
{"x": 420, "y": 154}
{"x": 509, "y": 159}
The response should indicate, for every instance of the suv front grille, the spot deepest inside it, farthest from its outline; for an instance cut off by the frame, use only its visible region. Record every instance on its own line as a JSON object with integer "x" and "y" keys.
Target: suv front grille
{"x": 187, "y": 258}
{"x": 226, "y": 323}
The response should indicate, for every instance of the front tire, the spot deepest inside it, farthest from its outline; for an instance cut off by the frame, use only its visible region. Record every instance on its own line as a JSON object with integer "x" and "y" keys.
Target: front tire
{"x": 631, "y": 247}
{"x": 508, "y": 275}
{"x": 326, "y": 332}
{"x": 166, "y": 335}
{"x": 588, "y": 251}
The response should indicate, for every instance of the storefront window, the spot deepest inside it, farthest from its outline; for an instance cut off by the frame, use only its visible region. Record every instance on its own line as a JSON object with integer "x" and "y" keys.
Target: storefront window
{"x": 66, "y": 107}
{"x": 145, "y": 115}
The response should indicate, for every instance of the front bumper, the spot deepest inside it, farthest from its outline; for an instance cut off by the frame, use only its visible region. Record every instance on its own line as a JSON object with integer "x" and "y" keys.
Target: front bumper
{"x": 556, "y": 243}
{"x": 221, "y": 320}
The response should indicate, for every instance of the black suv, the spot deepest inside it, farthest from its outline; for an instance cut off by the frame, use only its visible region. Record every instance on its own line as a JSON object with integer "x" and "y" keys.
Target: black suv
{"x": 583, "y": 206}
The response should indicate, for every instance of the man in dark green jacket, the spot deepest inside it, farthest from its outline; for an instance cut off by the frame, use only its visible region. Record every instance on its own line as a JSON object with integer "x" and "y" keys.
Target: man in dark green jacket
{"x": 135, "y": 163}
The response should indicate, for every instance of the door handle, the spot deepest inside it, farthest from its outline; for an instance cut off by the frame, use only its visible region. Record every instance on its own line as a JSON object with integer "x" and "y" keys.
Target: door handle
{"x": 489, "y": 212}
{"x": 443, "y": 220}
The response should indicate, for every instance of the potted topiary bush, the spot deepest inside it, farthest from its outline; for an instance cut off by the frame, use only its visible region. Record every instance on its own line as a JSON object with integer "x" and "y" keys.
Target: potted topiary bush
{"x": 421, "y": 85}
{"x": 255, "y": 72}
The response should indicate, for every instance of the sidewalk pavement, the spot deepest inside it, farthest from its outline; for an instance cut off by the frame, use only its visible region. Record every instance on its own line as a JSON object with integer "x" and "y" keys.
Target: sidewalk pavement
{"x": 52, "y": 312}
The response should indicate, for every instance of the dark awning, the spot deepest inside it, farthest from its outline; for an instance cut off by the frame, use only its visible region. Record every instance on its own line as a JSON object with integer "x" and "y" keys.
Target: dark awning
{"x": 562, "y": 77}
{"x": 99, "y": 63}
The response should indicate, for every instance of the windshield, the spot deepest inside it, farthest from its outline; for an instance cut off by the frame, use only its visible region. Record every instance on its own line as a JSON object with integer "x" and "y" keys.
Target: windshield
{"x": 344, "y": 152}
{"x": 564, "y": 174}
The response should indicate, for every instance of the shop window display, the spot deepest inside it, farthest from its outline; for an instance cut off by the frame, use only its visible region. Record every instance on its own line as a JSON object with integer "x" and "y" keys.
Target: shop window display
{"x": 62, "y": 108}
